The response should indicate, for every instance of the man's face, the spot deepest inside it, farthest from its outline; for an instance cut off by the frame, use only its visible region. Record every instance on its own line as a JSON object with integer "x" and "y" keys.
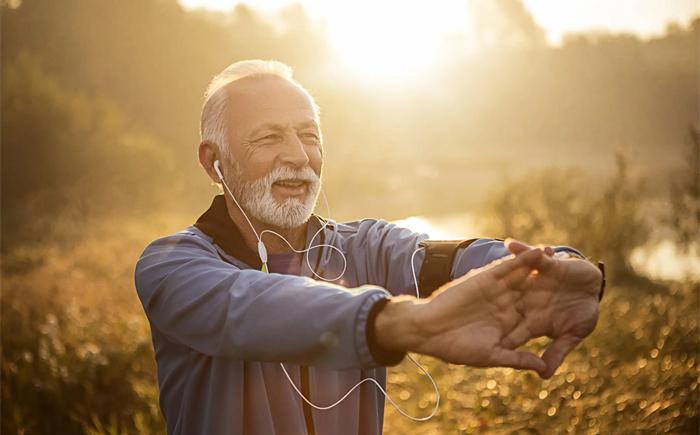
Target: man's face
{"x": 275, "y": 148}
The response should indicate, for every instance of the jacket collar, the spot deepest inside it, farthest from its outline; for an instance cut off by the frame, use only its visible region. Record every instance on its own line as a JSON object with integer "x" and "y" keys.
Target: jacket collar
{"x": 217, "y": 224}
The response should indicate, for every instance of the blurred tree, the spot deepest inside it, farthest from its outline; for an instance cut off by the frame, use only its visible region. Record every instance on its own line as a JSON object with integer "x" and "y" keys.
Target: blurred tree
{"x": 150, "y": 60}
{"x": 499, "y": 24}
{"x": 618, "y": 225}
{"x": 66, "y": 153}
{"x": 685, "y": 196}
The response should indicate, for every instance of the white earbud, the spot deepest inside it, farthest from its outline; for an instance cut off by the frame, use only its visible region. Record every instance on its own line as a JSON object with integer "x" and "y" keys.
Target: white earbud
{"x": 262, "y": 251}
{"x": 217, "y": 169}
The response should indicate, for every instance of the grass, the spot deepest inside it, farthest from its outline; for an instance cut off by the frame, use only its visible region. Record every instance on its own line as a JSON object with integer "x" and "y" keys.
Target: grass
{"x": 77, "y": 354}
{"x": 638, "y": 372}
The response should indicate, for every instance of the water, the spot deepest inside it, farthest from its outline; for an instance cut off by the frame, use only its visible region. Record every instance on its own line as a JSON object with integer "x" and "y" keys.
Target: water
{"x": 664, "y": 260}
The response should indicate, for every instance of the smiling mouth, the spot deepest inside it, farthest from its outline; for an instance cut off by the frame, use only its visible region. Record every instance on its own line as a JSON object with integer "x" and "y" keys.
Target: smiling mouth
{"x": 290, "y": 183}
{"x": 291, "y": 186}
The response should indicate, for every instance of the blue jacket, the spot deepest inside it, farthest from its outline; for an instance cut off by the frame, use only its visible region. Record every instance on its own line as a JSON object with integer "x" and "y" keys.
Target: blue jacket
{"x": 220, "y": 326}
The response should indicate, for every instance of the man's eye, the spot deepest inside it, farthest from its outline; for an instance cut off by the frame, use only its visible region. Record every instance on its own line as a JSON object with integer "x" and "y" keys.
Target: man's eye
{"x": 311, "y": 136}
{"x": 268, "y": 138}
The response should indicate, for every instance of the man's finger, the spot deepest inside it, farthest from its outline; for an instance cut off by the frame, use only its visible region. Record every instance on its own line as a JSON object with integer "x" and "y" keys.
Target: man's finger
{"x": 508, "y": 265}
{"x": 556, "y": 352}
{"x": 543, "y": 263}
{"x": 517, "y": 359}
{"x": 516, "y": 247}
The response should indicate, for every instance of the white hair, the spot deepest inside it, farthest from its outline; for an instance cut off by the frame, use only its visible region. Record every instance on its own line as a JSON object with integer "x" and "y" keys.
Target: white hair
{"x": 214, "y": 121}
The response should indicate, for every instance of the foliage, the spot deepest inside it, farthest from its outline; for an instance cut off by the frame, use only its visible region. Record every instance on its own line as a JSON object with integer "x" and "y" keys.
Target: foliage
{"x": 562, "y": 206}
{"x": 77, "y": 355}
{"x": 67, "y": 153}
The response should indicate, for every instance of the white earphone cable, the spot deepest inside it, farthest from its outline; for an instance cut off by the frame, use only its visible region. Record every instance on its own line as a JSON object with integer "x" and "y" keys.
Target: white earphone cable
{"x": 218, "y": 172}
{"x": 324, "y": 225}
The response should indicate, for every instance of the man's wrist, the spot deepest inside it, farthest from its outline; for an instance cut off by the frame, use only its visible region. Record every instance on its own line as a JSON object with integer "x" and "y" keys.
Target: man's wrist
{"x": 395, "y": 328}
{"x": 563, "y": 254}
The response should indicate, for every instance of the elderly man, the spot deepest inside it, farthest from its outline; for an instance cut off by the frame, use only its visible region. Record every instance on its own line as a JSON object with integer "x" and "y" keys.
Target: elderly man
{"x": 229, "y": 301}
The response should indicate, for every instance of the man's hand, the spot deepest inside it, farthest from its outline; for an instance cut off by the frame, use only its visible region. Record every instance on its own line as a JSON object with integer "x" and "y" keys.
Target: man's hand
{"x": 481, "y": 318}
{"x": 467, "y": 320}
{"x": 560, "y": 301}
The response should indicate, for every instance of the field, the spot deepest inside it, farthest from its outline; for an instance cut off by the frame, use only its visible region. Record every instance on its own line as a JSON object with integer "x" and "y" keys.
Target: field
{"x": 77, "y": 354}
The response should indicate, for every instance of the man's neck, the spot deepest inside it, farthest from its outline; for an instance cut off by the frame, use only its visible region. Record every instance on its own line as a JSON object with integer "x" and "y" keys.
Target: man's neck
{"x": 273, "y": 244}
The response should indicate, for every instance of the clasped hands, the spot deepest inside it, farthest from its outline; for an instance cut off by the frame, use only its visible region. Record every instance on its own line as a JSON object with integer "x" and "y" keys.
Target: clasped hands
{"x": 483, "y": 317}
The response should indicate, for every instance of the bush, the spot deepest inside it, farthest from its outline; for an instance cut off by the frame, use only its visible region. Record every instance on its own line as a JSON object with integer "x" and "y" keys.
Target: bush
{"x": 560, "y": 206}
{"x": 77, "y": 352}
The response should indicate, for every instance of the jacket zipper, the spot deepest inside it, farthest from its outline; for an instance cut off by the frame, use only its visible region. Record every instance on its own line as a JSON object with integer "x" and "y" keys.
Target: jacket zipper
{"x": 308, "y": 417}
{"x": 305, "y": 388}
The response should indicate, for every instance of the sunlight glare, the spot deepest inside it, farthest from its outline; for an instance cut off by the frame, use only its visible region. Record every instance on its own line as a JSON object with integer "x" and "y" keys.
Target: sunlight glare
{"x": 422, "y": 224}
{"x": 392, "y": 39}
{"x": 376, "y": 39}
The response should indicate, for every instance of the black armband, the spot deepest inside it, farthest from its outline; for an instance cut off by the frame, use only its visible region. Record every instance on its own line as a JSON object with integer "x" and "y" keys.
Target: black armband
{"x": 437, "y": 263}
{"x": 601, "y": 267}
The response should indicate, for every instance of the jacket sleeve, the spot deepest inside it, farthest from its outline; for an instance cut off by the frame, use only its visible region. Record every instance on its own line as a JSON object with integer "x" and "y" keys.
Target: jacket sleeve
{"x": 391, "y": 249}
{"x": 196, "y": 299}
{"x": 383, "y": 251}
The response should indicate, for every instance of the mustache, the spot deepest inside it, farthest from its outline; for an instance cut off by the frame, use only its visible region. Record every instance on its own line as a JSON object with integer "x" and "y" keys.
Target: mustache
{"x": 286, "y": 173}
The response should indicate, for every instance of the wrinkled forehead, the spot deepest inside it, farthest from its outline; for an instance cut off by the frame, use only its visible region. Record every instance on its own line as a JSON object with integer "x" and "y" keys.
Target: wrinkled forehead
{"x": 257, "y": 100}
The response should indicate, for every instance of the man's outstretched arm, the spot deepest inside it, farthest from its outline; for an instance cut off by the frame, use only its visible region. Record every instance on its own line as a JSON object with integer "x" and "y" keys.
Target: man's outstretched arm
{"x": 559, "y": 301}
{"x": 392, "y": 250}
{"x": 194, "y": 298}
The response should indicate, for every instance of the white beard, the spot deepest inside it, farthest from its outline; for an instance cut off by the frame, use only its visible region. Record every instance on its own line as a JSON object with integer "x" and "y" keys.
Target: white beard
{"x": 256, "y": 197}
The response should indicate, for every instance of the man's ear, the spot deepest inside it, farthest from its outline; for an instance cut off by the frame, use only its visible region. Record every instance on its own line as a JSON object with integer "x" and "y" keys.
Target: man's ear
{"x": 208, "y": 153}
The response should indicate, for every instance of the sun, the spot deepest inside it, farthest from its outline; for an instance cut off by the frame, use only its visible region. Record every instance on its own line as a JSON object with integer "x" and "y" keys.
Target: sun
{"x": 391, "y": 39}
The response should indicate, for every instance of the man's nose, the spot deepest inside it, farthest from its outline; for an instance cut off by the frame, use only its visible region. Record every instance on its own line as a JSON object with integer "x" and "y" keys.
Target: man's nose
{"x": 294, "y": 152}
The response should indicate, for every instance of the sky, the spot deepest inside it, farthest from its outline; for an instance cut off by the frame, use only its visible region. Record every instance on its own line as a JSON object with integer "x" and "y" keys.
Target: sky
{"x": 646, "y": 17}
{"x": 412, "y": 39}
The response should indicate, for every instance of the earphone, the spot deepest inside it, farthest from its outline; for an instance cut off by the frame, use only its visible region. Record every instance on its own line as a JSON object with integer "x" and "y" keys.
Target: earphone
{"x": 262, "y": 253}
